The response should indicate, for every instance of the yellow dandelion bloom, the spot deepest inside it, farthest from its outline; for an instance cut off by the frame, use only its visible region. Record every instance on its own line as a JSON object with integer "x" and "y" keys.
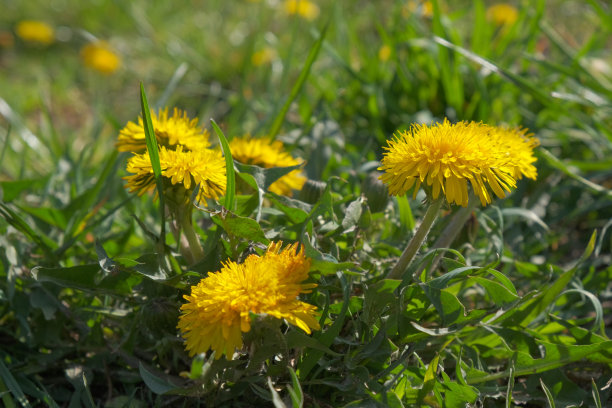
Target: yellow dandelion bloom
{"x": 423, "y": 8}
{"x": 502, "y": 14}
{"x": 303, "y": 8}
{"x": 205, "y": 168}
{"x": 170, "y": 131}
{"x": 219, "y": 307}
{"x": 99, "y": 56}
{"x": 265, "y": 153}
{"x": 263, "y": 56}
{"x": 384, "y": 53}
{"x": 33, "y": 31}
{"x": 446, "y": 156}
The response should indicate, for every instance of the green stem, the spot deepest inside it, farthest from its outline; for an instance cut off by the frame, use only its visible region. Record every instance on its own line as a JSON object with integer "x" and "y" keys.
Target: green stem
{"x": 417, "y": 240}
{"x": 193, "y": 252}
{"x": 451, "y": 231}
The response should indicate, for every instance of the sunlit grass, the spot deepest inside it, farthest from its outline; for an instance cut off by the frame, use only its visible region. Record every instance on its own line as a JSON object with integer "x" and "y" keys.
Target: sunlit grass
{"x": 500, "y": 305}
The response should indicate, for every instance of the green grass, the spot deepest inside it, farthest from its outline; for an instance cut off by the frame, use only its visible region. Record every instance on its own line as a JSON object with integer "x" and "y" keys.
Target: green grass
{"x": 517, "y": 312}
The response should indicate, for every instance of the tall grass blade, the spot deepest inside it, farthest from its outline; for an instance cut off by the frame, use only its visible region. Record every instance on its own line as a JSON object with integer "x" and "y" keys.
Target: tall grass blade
{"x": 297, "y": 87}
{"x": 230, "y": 192}
{"x": 154, "y": 156}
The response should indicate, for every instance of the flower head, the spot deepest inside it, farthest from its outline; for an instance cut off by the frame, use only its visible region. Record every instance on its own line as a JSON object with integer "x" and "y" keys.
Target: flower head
{"x": 188, "y": 169}
{"x": 446, "y": 156}
{"x": 265, "y": 153}
{"x": 384, "y": 53}
{"x": 264, "y": 56}
{"x": 303, "y": 8}
{"x": 99, "y": 56}
{"x": 502, "y": 14}
{"x": 33, "y": 31}
{"x": 219, "y": 307}
{"x": 170, "y": 131}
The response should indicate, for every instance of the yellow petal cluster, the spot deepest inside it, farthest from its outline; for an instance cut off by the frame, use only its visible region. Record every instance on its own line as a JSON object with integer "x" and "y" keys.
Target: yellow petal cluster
{"x": 100, "y": 56}
{"x": 303, "y": 8}
{"x": 265, "y": 153}
{"x": 445, "y": 157}
{"x": 170, "y": 131}
{"x": 502, "y": 14}
{"x": 218, "y": 310}
{"x": 34, "y": 31}
{"x": 205, "y": 168}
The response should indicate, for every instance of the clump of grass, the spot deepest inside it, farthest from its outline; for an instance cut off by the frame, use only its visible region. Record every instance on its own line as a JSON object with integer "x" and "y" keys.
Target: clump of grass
{"x": 501, "y": 305}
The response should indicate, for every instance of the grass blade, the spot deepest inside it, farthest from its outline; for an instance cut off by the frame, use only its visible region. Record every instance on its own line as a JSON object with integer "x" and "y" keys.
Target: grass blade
{"x": 312, "y": 56}
{"x": 154, "y": 156}
{"x": 230, "y": 192}
{"x": 9, "y": 381}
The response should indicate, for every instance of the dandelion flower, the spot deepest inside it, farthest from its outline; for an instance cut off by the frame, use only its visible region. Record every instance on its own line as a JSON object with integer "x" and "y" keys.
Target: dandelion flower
{"x": 170, "y": 131}
{"x": 33, "y": 31}
{"x": 424, "y": 8}
{"x": 384, "y": 53}
{"x": 219, "y": 307}
{"x": 265, "y": 153}
{"x": 444, "y": 157}
{"x": 205, "y": 168}
{"x": 502, "y": 14}
{"x": 303, "y": 8}
{"x": 99, "y": 56}
{"x": 263, "y": 56}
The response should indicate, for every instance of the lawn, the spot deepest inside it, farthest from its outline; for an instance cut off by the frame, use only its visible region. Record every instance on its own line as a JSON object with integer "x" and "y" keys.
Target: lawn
{"x": 305, "y": 203}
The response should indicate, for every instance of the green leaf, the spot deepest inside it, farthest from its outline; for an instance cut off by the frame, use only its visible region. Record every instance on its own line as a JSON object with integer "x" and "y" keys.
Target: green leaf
{"x": 89, "y": 278}
{"x": 297, "y": 211}
{"x": 264, "y": 177}
{"x": 297, "y": 87}
{"x": 555, "y": 355}
{"x": 311, "y": 357}
{"x": 377, "y": 298}
{"x": 549, "y": 397}
{"x": 43, "y": 241}
{"x": 276, "y": 399}
{"x": 230, "y": 192}
{"x": 241, "y": 227}
{"x": 300, "y": 340}
{"x": 324, "y": 263}
{"x": 13, "y": 188}
{"x": 352, "y": 214}
{"x": 295, "y": 391}
{"x": 9, "y": 381}
{"x": 429, "y": 381}
{"x": 156, "y": 384}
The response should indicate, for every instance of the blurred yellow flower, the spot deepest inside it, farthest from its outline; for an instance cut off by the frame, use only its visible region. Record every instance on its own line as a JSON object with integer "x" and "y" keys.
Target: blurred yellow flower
{"x": 303, "y": 8}
{"x": 265, "y": 153}
{"x": 219, "y": 307}
{"x": 423, "y": 8}
{"x": 99, "y": 56}
{"x": 33, "y": 31}
{"x": 446, "y": 156}
{"x": 384, "y": 53}
{"x": 502, "y": 14}
{"x": 188, "y": 169}
{"x": 263, "y": 56}
{"x": 170, "y": 131}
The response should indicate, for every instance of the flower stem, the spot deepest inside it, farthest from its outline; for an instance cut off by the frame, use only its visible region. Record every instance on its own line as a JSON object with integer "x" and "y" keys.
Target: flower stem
{"x": 193, "y": 252}
{"x": 417, "y": 240}
{"x": 451, "y": 231}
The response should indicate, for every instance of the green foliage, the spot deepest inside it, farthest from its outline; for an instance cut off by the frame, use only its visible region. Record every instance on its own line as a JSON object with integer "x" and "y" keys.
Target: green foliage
{"x": 515, "y": 313}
